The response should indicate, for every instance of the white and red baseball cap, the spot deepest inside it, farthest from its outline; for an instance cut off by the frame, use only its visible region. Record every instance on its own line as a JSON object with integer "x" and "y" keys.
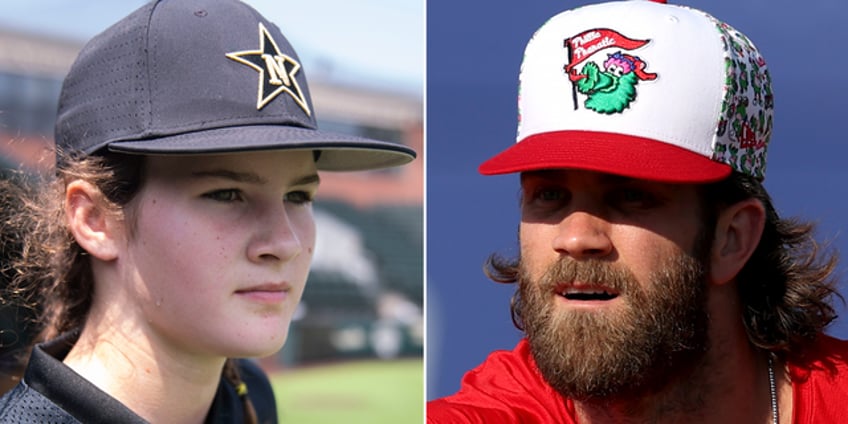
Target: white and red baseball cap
{"x": 641, "y": 89}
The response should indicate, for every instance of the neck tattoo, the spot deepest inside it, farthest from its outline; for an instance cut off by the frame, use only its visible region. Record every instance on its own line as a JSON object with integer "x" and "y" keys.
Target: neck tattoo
{"x": 772, "y": 391}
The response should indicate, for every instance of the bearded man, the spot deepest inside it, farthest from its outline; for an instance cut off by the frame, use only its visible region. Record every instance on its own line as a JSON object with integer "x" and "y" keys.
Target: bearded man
{"x": 656, "y": 281}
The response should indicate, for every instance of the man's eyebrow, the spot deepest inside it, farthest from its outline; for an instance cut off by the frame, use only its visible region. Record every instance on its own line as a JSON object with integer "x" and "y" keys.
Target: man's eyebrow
{"x": 559, "y": 175}
{"x": 618, "y": 179}
{"x": 543, "y": 173}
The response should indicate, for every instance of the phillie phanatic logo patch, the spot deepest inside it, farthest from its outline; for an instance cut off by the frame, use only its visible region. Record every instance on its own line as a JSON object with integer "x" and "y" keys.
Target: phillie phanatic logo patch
{"x": 277, "y": 71}
{"x": 608, "y": 81}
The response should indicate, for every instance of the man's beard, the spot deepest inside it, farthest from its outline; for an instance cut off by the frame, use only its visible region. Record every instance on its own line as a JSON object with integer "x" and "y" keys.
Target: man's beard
{"x": 658, "y": 333}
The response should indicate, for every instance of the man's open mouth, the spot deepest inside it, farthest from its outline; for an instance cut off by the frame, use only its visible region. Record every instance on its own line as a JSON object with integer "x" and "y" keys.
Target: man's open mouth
{"x": 588, "y": 293}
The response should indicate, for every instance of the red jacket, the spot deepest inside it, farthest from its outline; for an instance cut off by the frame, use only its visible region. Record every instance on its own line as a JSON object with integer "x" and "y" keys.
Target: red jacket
{"x": 508, "y": 388}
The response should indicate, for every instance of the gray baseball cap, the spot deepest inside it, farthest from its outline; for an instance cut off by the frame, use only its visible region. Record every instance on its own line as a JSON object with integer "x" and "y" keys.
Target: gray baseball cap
{"x": 195, "y": 77}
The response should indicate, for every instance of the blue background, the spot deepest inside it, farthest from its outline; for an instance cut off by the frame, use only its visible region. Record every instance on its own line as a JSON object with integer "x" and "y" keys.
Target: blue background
{"x": 474, "y": 51}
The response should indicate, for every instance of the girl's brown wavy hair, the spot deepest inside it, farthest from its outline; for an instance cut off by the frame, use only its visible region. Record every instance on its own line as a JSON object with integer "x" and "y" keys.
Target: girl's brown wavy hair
{"x": 47, "y": 272}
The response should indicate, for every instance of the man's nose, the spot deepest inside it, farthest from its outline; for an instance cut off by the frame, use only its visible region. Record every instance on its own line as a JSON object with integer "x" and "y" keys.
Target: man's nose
{"x": 583, "y": 235}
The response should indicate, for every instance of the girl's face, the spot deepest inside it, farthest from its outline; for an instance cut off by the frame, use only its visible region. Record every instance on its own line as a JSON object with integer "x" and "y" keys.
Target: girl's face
{"x": 218, "y": 249}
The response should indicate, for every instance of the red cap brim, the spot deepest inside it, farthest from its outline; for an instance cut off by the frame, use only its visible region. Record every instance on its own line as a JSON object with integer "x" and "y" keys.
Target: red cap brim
{"x": 629, "y": 156}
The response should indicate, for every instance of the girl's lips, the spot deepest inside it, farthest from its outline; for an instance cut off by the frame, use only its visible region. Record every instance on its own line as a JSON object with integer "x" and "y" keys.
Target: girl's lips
{"x": 266, "y": 293}
{"x": 269, "y": 297}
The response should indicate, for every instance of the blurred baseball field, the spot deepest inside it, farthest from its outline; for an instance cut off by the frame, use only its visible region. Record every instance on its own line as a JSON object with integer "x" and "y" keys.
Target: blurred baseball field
{"x": 371, "y": 392}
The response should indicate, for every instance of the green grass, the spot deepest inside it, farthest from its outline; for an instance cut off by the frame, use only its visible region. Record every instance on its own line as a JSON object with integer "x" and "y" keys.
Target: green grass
{"x": 370, "y": 392}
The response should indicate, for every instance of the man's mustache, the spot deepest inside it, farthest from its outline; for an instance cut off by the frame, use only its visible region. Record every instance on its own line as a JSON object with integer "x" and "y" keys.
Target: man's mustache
{"x": 591, "y": 272}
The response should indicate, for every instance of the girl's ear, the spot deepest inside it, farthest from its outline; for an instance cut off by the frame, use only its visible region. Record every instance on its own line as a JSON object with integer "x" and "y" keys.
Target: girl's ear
{"x": 738, "y": 231}
{"x": 92, "y": 224}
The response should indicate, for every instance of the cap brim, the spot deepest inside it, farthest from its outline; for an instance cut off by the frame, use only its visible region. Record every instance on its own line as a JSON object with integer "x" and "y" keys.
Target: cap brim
{"x": 611, "y": 153}
{"x": 339, "y": 152}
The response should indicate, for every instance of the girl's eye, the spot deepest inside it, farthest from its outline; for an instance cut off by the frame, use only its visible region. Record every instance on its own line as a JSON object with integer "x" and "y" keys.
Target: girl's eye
{"x": 298, "y": 197}
{"x": 226, "y": 195}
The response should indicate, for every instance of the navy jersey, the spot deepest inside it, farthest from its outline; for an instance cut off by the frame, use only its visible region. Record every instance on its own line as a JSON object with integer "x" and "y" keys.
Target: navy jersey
{"x": 50, "y": 392}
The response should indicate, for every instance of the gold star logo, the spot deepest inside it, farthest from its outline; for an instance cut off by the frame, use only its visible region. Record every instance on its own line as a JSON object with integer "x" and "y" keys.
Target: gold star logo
{"x": 277, "y": 71}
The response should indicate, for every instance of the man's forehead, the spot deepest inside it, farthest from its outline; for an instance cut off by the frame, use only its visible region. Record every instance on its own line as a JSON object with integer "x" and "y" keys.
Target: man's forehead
{"x": 566, "y": 174}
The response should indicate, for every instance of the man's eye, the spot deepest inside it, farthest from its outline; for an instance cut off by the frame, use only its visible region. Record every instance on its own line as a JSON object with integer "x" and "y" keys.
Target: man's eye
{"x": 298, "y": 197}
{"x": 226, "y": 195}
{"x": 546, "y": 196}
{"x": 633, "y": 197}
{"x": 550, "y": 194}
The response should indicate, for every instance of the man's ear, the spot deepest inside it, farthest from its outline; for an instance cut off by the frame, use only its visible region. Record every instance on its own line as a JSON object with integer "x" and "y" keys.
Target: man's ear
{"x": 92, "y": 224}
{"x": 738, "y": 231}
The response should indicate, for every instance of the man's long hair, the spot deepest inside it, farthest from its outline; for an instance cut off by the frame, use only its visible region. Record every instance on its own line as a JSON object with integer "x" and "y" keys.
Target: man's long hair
{"x": 786, "y": 288}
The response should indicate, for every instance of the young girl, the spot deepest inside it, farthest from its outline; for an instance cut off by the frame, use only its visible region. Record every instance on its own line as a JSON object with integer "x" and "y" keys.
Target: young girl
{"x": 178, "y": 231}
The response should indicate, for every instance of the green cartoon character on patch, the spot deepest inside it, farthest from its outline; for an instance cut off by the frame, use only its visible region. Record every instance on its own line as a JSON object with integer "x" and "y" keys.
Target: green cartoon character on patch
{"x": 609, "y": 87}
{"x": 612, "y": 89}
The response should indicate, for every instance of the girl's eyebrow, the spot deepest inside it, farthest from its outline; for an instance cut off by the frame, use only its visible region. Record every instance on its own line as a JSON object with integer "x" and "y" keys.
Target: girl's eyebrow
{"x": 307, "y": 179}
{"x": 250, "y": 177}
{"x": 241, "y": 177}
